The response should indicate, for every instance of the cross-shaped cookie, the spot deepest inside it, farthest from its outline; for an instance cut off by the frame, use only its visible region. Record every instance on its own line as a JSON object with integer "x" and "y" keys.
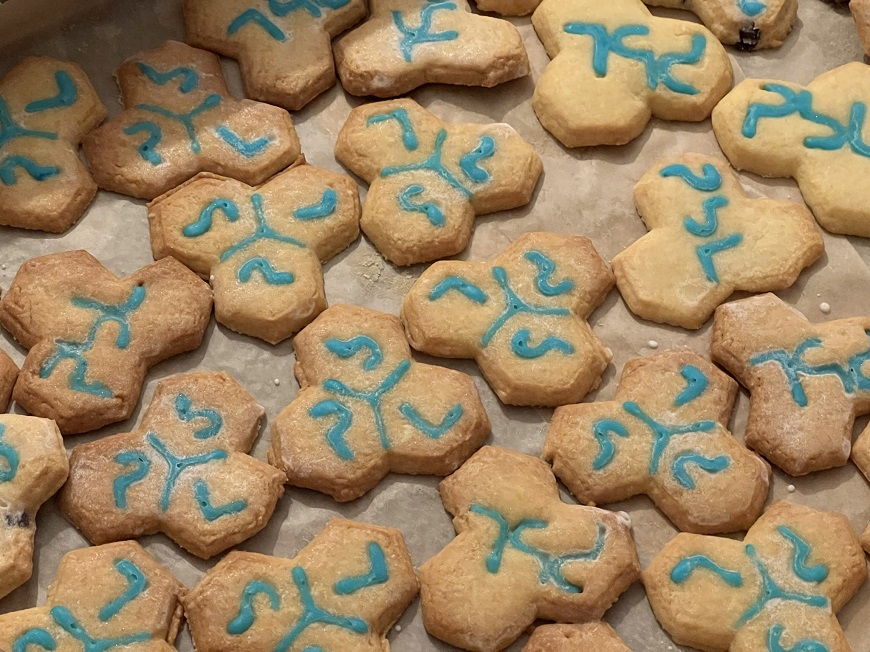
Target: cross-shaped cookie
{"x": 106, "y": 598}
{"x": 284, "y": 47}
{"x": 184, "y": 472}
{"x": 520, "y": 554}
{"x": 779, "y": 589}
{"x": 808, "y": 381}
{"x": 8, "y": 376}
{"x": 407, "y": 43}
{"x": 343, "y": 591}
{"x": 367, "y": 408}
{"x": 180, "y": 119}
{"x": 33, "y": 466}
{"x": 663, "y": 435}
{"x": 430, "y": 179}
{"x": 93, "y": 336}
{"x": 262, "y": 247}
{"x": 46, "y": 108}
{"x": 708, "y": 239}
{"x": 615, "y": 66}
{"x": 522, "y": 317}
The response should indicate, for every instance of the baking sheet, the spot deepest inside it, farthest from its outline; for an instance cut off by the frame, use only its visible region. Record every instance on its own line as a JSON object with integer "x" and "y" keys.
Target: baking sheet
{"x": 583, "y": 191}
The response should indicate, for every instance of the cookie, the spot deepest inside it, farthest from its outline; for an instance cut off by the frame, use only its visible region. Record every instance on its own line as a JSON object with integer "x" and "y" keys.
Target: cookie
{"x": 664, "y": 435}
{"x": 600, "y": 90}
{"x": 8, "y": 376}
{"x": 808, "y": 381}
{"x": 33, "y": 466}
{"x": 508, "y": 7}
{"x": 184, "y": 471}
{"x": 180, "y": 119}
{"x": 366, "y": 408}
{"x": 812, "y": 133}
{"x": 778, "y": 589}
{"x": 707, "y": 240}
{"x": 261, "y": 247}
{"x": 46, "y": 108}
{"x": 520, "y": 553}
{"x": 861, "y": 457}
{"x": 861, "y": 14}
{"x": 408, "y": 43}
{"x": 105, "y": 598}
{"x": 429, "y": 179}
{"x": 522, "y": 317}
{"x": 93, "y": 336}
{"x": 589, "y": 637}
{"x": 343, "y": 591}
{"x": 284, "y": 48}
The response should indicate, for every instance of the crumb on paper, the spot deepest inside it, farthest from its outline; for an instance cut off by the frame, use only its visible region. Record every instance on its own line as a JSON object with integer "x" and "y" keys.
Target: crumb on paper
{"x": 277, "y": 381}
{"x": 652, "y": 344}
{"x": 791, "y": 488}
{"x": 825, "y": 307}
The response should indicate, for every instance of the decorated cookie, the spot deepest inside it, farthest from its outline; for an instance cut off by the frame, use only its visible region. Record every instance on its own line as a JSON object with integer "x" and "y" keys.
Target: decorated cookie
{"x": 179, "y": 120}
{"x": 46, "y": 108}
{"x": 366, "y": 408}
{"x": 663, "y": 435}
{"x": 707, "y": 240}
{"x": 8, "y": 376}
{"x": 93, "y": 336}
{"x": 284, "y": 47}
{"x": 777, "y": 590}
{"x": 107, "y": 598}
{"x": 601, "y": 90}
{"x": 520, "y": 553}
{"x": 33, "y": 466}
{"x": 521, "y": 317}
{"x": 589, "y": 637}
{"x": 430, "y": 179}
{"x": 813, "y": 133}
{"x": 808, "y": 381}
{"x": 408, "y": 43}
{"x": 861, "y": 14}
{"x": 343, "y": 591}
{"x": 185, "y": 471}
{"x": 261, "y": 247}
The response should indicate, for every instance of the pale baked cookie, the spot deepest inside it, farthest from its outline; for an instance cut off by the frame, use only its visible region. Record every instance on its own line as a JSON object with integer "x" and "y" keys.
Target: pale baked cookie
{"x": 430, "y": 179}
{"x": 779, "y": 589}
{"x": 343, "y": 591}
{"x": 808, "y": 381}
{"x": 93, "y": 336}
{"x": 33, "y": 466}
{"x": 707, "y": 240}
{"x": 813, "y": 134}
{"x": 861, "y": 457}
{"x": 284, "y": 47}
{"x": 261, "y": 247}
{"x": 589, "y": 637}
{"x": 665, "y": 435}
{"x": 111, "y": 597}
{"x": 601, "y": 90}
{"x": 46, "y": 108}
{"x": 861, "y": 14}
{"x": 8, "y": 376}
{"x": 366, "y": 408}
{"x": 408, "y": 43}
{"x": 179, "y": 120}
{"x": 508, "y": 7}
{"x": 522, "y": 317}
{"x": 520, "y": 553}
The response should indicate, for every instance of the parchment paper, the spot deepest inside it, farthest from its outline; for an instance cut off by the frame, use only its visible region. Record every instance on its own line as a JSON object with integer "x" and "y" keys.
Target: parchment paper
{"x": 584, "y": 191}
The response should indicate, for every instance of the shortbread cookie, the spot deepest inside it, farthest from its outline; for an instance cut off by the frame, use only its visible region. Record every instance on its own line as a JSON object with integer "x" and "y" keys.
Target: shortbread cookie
{"x": 522, "y": 317}
{"x": 861, "y": 14}
{"x": 46, "y": 108}
{"x": 808, "y": 381}
{"x": 8, "y": 376}
{"x": 779, "y": 589}
{"x": 600, "y": 90}
{"x": 813, "y": 134}
{"x": 861, "y": 457}
{"x": 408, "y": 43}
{"x": 508, "y": 7}
{"x": 33, "y": 466}
{"x": 284, "y": 48}
{"x": 107, "y": 598}
{"x": 663, "y": 435}
{"x": 366, "y": 408}
{"x": 343, "y": 591}
{"x": 93, "y": 336}
{"x": 179, "y": 120}
{"x": 589, "y": 637}
{"x": 261, "y": 247}
{"x": 520, "y": 553}
{"x": 707, "y": 240}
{"x": 430, "y": 179}
{"x": 185, "y": 471}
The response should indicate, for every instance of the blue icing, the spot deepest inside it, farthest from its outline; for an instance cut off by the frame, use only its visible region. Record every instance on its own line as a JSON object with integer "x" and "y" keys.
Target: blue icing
{"x": 687, "y": 566}
{"x": 68, "y": 623}
{"x": 184, "y": 410}
{"x": 136, "y": 585}
{"x": 258, "y": 18}
{"x": 247, "y": 616}
{"x": 808, "y": 573}
{"x": 663, "y": 433}
{"x": 696, "y": 385}
{"x": 774, "y": 642}
{"x": 409, "y": 136}
{"x": 470, "y": 163}
{"x": 11, "y": 457}
{"x": 313, "y": 7}
{"x": 37, "y": 172}
{"x": 148, "y": 149}
{"x": 377, "y": 573}
{"x": 433, "y": 163}
{"x": 522, "y": 346}
{"x": 210, "y": 511}
{"x": 184, "y": 119}
{"x": 457, "y": 284}
{"x": 262, "y": 232}
{"x": 707, "y": 464}
{"x": 752, "y": 8}
{"x": 67, "y": 95}
{"x": 705, "y": 253}
{"x": 432, "y": 212}
{"x": 189, "y": 78}
{"x": 414, "y": 36}
{"x": 10, "y": 130}
{"x": 36, "y": 637}
{"x": 708, "y": 181}
{"x": 336, "y": 434}
{"x": 711, "y": 220}
{"x": 247, "y": 148}
{"x": 346, "y": 349}
{"x": 142, "y": 466}
{"x": 429, "y": 429}
{"x": 204, "y": 223}
{"x": 324, "y": 208}
{"x": 177, "y": 465}
{"x": 267, "y": 272}
{"x": 546, "y": 269}
{"x": 602, "y": 430}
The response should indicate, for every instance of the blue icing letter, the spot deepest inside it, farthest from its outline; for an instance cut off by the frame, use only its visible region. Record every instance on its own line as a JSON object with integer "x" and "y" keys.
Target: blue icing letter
{"x": 203, "y": 224}
{"x": 123, "y": 482}
{"x": 184, "y": 410}
{"x": 774, "y": 643}
{"x": 66, "y": 95}
{"x": 210, "y": 512}
{"x": 521, "y": 345}
{"x": 431, "y": 164}
{"x": 147, "y": 150}
{"x": 429, "y": 209}
{"x": 247, "y": 148}
{"x": 705, "y": 253}
{"x": 377, "y": 574}
{"x": 37, "y": 172}
{"x": 414, "y": 36}
{"x": 409, "y": 136}
{"x": 189, "y": 77}
{"x": 245, "y": 620}
{"x": 269, "y": 273}
{"x": 802, "y": 552}
{"x": 137, "y": 583}
{"x": 8, "y": 453}
{"x": 708, "y": 464}
{"x": 432, "y": 431}
{"x": 688, "y": 565}
{"x": 257, "y": 18}
{"x": 751, "y": 8}
{"x": 37, "y": 637}
{"x": 178, "y": 465}
{"x": 470, "y": 163}
{"x": 185, "y": 119}
{"x": 546, "y": 268}
{"x": 707, "y": 228}
{"x": 708, "y": 181}
{"x": 346, "y": 349}
{"x": 335, "y": 435}
{"x": 324, "y": 208}
{"x": 602, "y": 431}
{"x": 696, "y": 384}
{"x": 458, "y": 284}
{"x": 68, "y": 623}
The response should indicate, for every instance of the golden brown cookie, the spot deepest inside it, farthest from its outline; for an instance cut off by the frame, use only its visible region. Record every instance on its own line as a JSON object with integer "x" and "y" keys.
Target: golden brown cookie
{"x": 589, "y": 637}
{"x": 8, "y": 376}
